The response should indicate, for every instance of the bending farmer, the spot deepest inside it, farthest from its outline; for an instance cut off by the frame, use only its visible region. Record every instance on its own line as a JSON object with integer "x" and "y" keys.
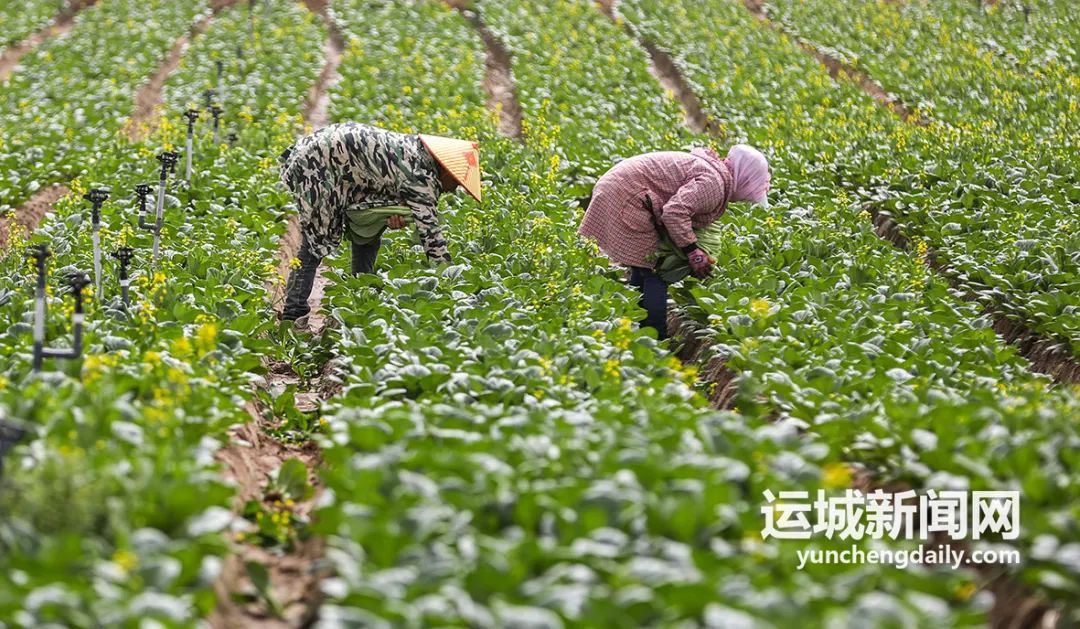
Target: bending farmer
{"x": 685, "y": 191}
{"x": 342, "y": 173}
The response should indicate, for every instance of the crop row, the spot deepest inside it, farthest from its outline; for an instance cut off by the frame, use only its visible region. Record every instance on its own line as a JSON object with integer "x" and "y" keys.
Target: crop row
{"x": 124, "y": 438}
{"x": 507, "y": 448}
{"x": 857, "y": 341}
{"x": 55, "y": 111}
{"x": 991, "y": 186}
{"x": 19, "y": 19}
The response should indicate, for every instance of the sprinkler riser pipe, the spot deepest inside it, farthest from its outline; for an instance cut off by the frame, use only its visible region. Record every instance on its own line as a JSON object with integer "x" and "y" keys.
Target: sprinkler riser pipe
{"x": 124, "y": 255}
{"x": 97, "y": 260}
{"x": 39, "y": 312}
{"x": 190, "y": 144}
{"x": 160, "y": 215}
{"x": 142, "y": 206}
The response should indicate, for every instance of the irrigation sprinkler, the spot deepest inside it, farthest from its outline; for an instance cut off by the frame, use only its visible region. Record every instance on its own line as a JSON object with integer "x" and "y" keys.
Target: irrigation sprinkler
{"x": 124, "y": 255}
{"x": 97, "y": 197}
{"x": 216, "y": 111}
{"x": 251, "y": 22}
{"x": 192, "y": 116}
{"x": 208, "y": 98}
{"x": 77, "y": 281}
{"x": 143, "y": 191}
{"x": 168, "y": 161}
{"x": 233, "y": 137}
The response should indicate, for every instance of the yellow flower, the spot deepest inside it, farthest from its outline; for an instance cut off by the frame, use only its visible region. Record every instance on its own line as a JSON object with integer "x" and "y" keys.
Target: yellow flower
{"x": 611, "y": 368}
{"x": 126, "y": 559}
{"x": 965, "y": 591}
{"x": 206, "y": 336}
{"x": 760, "y": 307}
{"x": 181, "y": 346}
{"x": 836, "y": 476}
{"x": 152, "y": 359}
{"x": 294, "y": 263}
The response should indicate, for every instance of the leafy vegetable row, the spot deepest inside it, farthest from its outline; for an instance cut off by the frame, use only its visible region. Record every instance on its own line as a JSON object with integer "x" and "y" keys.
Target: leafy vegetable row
{"x": 857, "y": 342}
{"x": 19, "y": 19}
{"x": 507, "y": 447}
{"x": 56, "y": 110}
{"x": 124, "y": 439}
{"x": 998, "y": 204}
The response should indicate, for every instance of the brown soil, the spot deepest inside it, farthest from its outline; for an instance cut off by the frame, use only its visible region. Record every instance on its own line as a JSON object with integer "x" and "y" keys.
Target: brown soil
{"x": 252, "y": 454}
{"x": 249, "y": 459}
{"x": 288, "y": 248}
{"x": 61, "y": 24}
{"x": 317, "y": 104}
{"x": 667, "y": 72}
{"x": 671, "y": 77}
{"x": 498, "y": 75}
{"x": 149, "y": 98}
{"x": 839, "y": 69}
{"x": 695, "y": 350}
{"x": 1046, "y": 356}
{"x": 30, "y": 214}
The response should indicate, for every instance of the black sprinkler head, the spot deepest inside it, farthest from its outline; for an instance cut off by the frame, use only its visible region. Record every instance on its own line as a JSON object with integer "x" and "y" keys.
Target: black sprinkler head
{"x": 168, "y": 160}
{"x": 124, "y": 254}
{"x": 39, "y": 253}
{"x": 97, "y": 196}
{"x": 78, "y": 280}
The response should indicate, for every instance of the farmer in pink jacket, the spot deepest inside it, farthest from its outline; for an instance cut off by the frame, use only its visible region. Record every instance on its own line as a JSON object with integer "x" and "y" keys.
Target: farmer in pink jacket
{"x": 685, "y": 191}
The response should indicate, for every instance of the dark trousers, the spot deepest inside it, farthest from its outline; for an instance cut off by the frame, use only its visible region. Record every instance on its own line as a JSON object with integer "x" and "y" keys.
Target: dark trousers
{"x": 302, "y": 280}
{"x": 654, "y": 297}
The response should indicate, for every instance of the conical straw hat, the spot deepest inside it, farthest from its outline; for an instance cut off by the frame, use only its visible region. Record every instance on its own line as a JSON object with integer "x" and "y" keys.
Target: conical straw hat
{"x": 461, "y": 158}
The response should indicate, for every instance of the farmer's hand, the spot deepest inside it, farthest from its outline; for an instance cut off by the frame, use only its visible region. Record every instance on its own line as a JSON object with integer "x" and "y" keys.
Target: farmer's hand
{"x": 701, "y": 264}
{"x": 395, "y": 222}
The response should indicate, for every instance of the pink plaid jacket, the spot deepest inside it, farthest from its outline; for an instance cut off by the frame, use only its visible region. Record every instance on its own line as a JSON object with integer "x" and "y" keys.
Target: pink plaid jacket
{"x": 688, "y": 191}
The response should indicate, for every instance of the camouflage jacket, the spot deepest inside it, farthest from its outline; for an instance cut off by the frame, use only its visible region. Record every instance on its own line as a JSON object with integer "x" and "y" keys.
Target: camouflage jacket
{"x": 344, "y": 165}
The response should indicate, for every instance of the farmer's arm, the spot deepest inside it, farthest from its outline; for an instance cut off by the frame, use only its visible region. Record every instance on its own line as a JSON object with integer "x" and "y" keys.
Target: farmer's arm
{"x": 428, "y": 228}
{"x": 697, "y": 195}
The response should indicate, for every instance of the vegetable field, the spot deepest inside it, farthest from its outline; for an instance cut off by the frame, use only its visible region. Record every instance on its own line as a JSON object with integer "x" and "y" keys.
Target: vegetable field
{"x": 496, "y": 442}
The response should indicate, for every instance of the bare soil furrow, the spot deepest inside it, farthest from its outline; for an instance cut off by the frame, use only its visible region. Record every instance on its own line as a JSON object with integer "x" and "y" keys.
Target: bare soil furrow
{"x": 29, "y": 215}
{"x": 696, "y": 350}
{"x": 1046, "y": 356}
{"x": 62, "y": 23}
{"x": 295, "y": 577}
{"x": 249, "y": 460}
{"x": 671, "y": 78}
{"x": 498, "y": 76}
{"x": 317, "y": 105}
{"x": 841, "y": 70}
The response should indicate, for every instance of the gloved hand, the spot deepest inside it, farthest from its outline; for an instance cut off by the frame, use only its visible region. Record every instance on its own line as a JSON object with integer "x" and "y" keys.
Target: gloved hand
{"x": 701, "y": 264}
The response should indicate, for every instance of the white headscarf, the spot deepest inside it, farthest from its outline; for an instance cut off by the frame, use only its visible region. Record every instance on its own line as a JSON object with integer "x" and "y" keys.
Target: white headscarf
{"x": 750, "y": 171}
